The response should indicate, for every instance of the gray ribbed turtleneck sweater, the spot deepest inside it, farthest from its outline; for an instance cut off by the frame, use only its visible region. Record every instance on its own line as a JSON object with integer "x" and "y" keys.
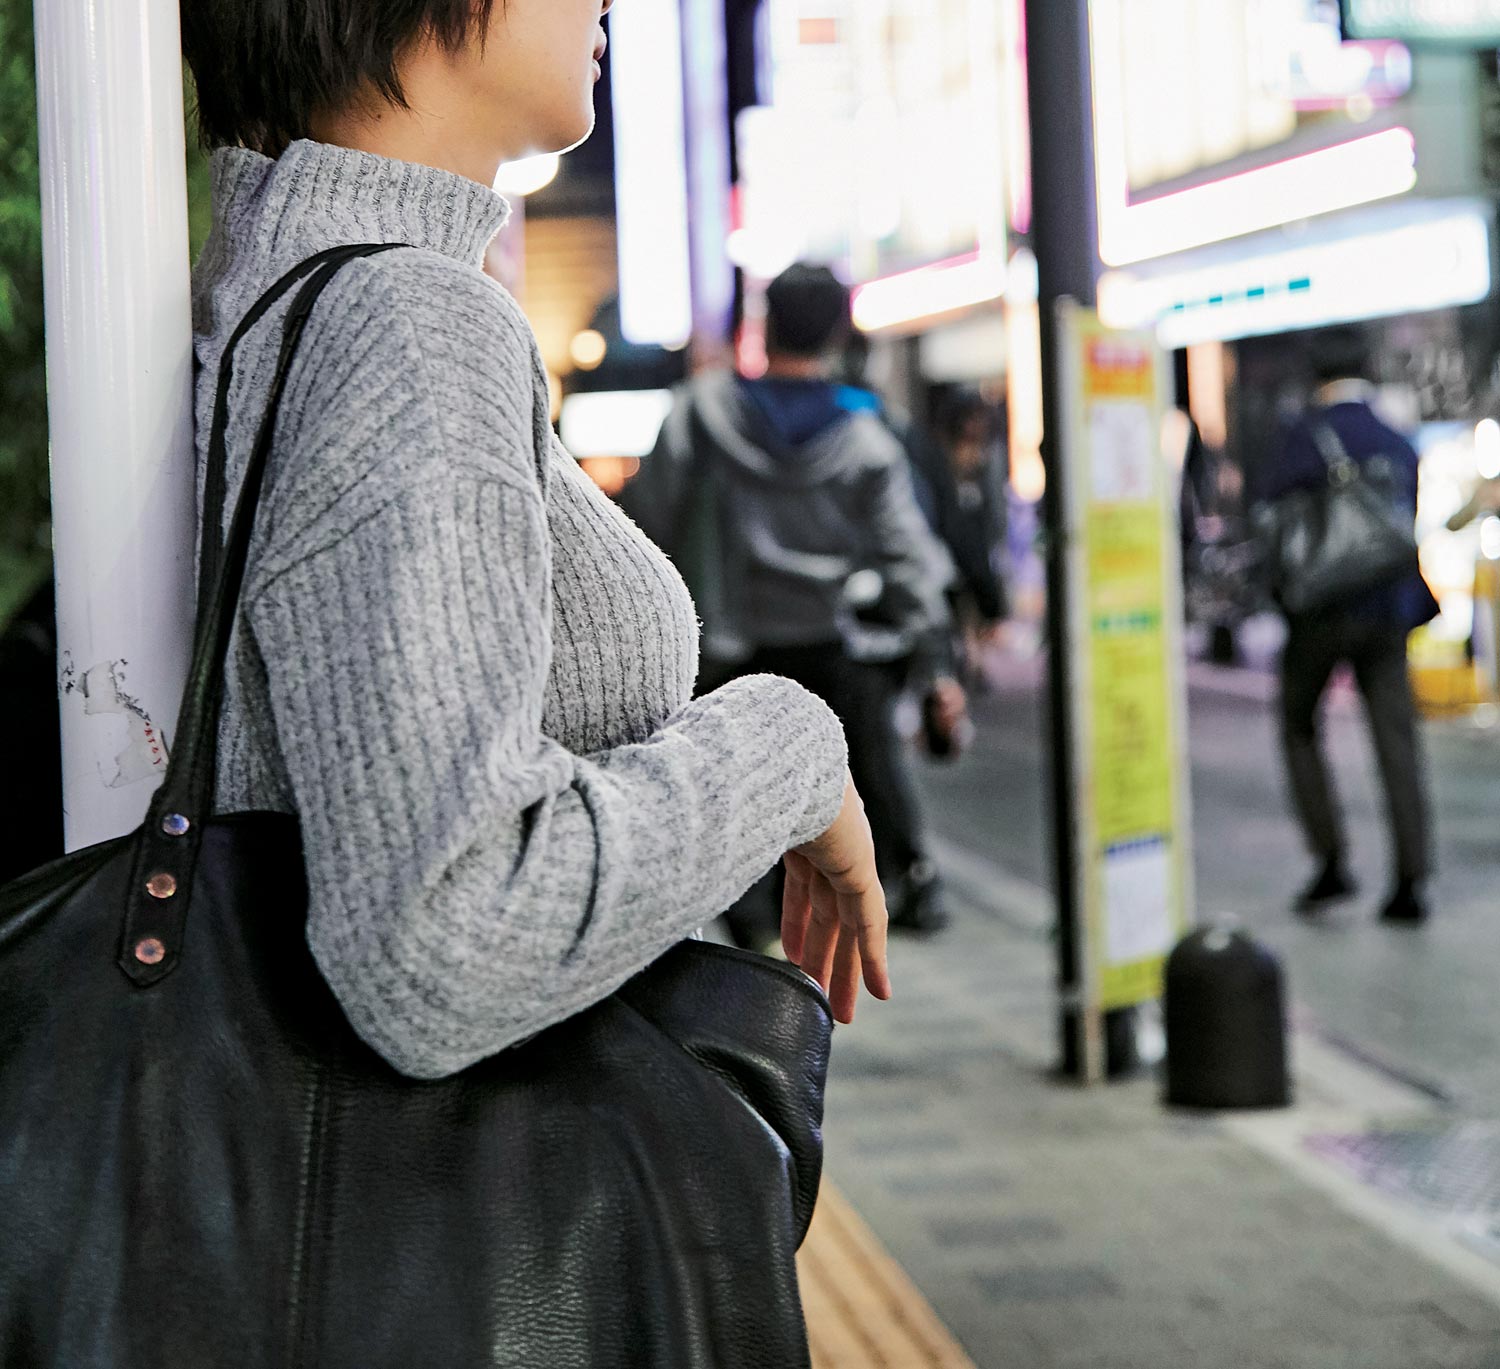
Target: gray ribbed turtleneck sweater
{"x": 460, "y": 665}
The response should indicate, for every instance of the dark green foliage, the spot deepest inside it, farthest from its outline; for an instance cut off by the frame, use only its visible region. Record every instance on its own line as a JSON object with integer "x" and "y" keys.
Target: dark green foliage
{"x": 24, "y": 540}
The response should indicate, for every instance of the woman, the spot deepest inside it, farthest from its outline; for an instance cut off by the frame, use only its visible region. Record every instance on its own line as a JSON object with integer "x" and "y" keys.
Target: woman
{"x": 457, "y": 663}
{"x": 465, "y": 671}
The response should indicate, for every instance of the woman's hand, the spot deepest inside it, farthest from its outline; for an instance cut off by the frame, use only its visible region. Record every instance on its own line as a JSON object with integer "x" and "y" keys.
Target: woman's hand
{"x": 833, "y": 918}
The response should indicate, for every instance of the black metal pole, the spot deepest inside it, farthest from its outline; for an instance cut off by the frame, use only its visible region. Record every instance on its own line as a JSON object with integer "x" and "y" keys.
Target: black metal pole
{"x": 1066, "y": 237}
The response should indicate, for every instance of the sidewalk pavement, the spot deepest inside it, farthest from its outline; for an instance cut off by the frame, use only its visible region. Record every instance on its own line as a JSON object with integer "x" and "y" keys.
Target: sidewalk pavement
{"x": 1052, "y": 1227}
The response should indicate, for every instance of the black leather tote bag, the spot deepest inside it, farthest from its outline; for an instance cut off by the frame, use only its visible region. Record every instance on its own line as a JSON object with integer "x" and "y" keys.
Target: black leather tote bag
{"x": 202, "y": 1167}
{"x": 1329, "y": 545}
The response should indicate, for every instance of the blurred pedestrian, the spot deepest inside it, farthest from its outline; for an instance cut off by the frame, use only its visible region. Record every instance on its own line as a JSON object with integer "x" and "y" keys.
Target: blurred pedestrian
{"x": 788, "y": 507}
{"x": 965, "y": 471}
{"x": 958, "y": 474}
{"x": 1367, "y": 632}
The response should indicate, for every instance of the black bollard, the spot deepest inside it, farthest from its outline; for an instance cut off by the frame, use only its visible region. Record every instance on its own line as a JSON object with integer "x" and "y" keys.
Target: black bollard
{"x": 1225, "y": 1016}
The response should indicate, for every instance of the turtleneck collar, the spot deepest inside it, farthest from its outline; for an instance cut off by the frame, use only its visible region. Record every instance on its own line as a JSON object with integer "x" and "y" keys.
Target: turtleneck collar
{"x": 317, "y": 195}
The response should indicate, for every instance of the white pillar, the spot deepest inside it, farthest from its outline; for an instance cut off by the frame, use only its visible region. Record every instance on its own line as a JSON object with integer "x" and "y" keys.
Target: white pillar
{"x": 119, "y": 379}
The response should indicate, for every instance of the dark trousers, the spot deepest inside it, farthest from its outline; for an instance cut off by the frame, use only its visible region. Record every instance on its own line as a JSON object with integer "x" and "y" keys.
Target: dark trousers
{"x": 863, "y": 696}
{"x": 1377, "y": 655}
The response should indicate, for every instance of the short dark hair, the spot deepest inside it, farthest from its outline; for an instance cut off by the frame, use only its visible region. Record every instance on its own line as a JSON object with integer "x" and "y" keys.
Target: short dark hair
{"x": 265, "y": 68}
{"x": 807, "y": 311}
{"x": 1341, "y": 353}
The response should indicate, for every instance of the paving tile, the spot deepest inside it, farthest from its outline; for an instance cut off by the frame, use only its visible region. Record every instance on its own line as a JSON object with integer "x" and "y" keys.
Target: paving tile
{"x": 906, "y": 1144}
{"x": 962, "y": 1183}
{"x": 1045, "y": 1283}
{"x": 989, "y": 1232}
{"x": 862, "y": 1063}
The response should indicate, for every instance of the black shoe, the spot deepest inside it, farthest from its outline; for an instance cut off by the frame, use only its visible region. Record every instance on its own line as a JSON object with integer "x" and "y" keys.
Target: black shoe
{"x": 1331, "y": 885}
{"x": 918, "y": 904}
{"x": 1405, "y": 906}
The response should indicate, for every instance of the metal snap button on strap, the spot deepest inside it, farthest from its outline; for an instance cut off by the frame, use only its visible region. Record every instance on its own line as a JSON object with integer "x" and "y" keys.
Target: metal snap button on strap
{"x": 150, "y": 951}
{"x": 161, "y": 885}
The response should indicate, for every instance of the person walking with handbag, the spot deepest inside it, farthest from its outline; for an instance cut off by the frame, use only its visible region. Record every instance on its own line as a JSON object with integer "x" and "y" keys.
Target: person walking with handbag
{"x": 406, "y": 1060}
{"x": 1345, "y": 495}
{"x": 787, "y": 504}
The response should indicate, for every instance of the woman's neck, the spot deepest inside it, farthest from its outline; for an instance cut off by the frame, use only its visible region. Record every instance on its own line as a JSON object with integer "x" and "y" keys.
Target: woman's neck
{"x": 407, "y": 135}
{"x": 438, "y": 126}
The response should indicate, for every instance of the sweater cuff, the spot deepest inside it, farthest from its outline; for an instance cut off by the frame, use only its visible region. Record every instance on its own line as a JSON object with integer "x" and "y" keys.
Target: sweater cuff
{"x": 812, "y": 734}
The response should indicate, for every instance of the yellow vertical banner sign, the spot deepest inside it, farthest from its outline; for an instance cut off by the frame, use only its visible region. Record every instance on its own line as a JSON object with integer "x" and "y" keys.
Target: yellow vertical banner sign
{"x": 1131, "y": 793}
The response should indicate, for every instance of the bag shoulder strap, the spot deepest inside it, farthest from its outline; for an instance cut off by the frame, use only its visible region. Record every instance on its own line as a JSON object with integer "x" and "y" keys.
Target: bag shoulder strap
{"x": 168, "y": 843}
{"x": 1342, "y": 468}
{"x": 218, "y": 453}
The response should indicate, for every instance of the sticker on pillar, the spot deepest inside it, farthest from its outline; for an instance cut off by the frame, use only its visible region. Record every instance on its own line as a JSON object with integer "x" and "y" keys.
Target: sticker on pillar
{"x": 143, "y": 747}
{"x": 1139, "y": 892}
{"x": 1121, "y": 445}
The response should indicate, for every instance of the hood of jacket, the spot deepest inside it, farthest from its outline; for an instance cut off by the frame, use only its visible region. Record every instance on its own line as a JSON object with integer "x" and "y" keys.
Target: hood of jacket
{"x": 737, "y": 428}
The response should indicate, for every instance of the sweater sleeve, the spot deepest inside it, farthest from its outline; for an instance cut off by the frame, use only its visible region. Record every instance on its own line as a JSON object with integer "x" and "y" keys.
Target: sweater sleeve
{"x": 472, "y": 880}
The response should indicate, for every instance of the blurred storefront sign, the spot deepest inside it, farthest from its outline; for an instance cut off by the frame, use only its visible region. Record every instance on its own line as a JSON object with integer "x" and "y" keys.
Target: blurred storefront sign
{"x": 1259, "y": 174}
{"x": 1199, "y": 83}
{"x": 609, "y": 431}
{"x": 1402, "y": 258}
{"x": 1128, "y": 702}
{"x": 1215, "y": 120}
{"x": 930, "y": 290}
{"x": 651, "y": 172}
{"x": 1467, "y": 23}
{"x": 889, "y": 146}
{"x": 1375, "y": 167}
{"x": 613, "y": 423}
{"x": 970, "y": 351}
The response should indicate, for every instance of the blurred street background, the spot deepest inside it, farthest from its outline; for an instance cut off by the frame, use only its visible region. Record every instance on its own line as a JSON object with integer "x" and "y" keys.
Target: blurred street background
{"x": 1269, "y": 212}
{"x": 1049, "y": 1226}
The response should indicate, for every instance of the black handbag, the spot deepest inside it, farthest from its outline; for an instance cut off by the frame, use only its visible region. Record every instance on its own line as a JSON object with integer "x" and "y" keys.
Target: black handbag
{"x": 1327, "y": 546}
{"x": 203, "y": 1167}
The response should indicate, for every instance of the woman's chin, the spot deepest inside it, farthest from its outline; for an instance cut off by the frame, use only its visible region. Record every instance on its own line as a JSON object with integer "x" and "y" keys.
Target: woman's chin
{"x": 562, "y": 135}
{"x": 558, "y": 131}
{"x": 583, "y": 129}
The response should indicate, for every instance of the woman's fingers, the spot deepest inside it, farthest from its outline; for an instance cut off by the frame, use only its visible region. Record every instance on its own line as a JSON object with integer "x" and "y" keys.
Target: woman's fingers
{"x": 796, "y": 905}
{"x": 822, "y": 933}
{"x": 833, "y": 914}
{"x": 865, "y": 917}
{"x": 842, "y": 938}
{"x": 843, "y": 992}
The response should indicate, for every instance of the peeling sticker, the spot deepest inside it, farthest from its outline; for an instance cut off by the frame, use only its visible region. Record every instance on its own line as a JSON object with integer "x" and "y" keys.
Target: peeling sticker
{"x": 102, "y": 689}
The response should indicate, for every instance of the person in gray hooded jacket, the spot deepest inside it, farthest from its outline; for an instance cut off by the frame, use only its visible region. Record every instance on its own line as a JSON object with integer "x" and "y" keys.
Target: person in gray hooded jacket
{"x": 788, "y": 506}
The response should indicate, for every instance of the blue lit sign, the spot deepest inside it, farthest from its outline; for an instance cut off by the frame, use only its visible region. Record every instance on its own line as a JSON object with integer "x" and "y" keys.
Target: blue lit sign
{"x": 1453, "y": 23}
